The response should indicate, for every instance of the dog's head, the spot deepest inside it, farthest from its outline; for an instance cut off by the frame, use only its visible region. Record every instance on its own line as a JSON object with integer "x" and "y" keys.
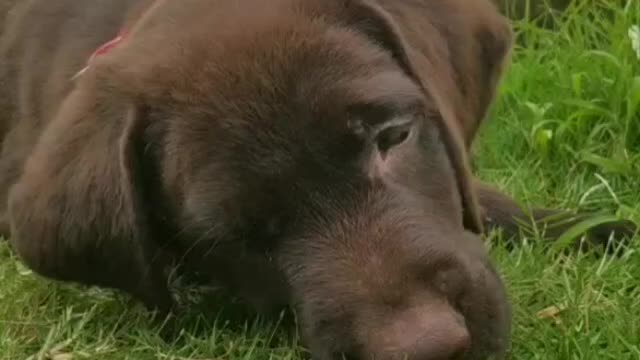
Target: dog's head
{"x": 328, "y": 138}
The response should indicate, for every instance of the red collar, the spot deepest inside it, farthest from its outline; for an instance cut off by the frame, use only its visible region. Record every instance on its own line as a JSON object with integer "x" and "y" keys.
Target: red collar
{"x": 103, "y": 49}
{"x": 122, "y": 35}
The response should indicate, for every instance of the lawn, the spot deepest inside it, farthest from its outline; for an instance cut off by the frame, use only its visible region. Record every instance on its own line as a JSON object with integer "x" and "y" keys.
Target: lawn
{"x": 565, "y": 132}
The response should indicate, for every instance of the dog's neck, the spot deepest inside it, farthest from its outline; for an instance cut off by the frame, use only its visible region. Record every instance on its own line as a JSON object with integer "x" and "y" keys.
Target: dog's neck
{"x": 136, "y": 14}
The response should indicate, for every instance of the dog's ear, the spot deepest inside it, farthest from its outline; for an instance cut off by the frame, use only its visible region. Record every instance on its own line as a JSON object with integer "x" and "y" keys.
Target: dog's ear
{"x": 77, "y": 212}
{"x": 455, "y": 50}
{"x": 479, "y": 41}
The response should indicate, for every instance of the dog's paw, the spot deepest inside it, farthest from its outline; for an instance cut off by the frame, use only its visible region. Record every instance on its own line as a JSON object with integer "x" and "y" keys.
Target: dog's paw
{"x": 610, "y": 236}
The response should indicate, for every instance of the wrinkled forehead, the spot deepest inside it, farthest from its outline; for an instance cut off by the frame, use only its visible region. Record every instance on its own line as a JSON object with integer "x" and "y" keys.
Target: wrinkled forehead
{"x": 222, "y": 53}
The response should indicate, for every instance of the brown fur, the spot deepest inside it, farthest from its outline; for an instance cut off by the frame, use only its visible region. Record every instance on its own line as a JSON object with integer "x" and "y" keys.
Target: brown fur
{"x": 259, "y": 143}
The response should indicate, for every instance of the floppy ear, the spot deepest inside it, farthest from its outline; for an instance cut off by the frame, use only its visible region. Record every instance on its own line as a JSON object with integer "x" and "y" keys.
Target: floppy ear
{"x": 479, "y": 41}
{"x": 455, "y": 51}
{"x": 77, "y": 212}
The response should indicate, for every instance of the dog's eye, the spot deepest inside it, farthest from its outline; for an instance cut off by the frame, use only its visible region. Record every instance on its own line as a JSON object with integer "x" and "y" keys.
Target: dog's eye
{"x": 393, "y": 136}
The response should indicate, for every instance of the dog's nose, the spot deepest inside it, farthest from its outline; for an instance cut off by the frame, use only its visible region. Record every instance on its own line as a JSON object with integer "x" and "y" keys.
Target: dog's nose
{"x": 445, "y": 341}
{"x": 429, "y": 333}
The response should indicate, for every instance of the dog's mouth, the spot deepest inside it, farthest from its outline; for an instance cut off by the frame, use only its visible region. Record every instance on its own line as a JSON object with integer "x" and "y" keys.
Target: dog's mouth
{"x": 342, "y": 320}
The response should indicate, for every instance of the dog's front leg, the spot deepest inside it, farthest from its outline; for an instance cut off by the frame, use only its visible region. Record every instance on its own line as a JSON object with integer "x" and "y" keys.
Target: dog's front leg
{"x": 502, "y": 212}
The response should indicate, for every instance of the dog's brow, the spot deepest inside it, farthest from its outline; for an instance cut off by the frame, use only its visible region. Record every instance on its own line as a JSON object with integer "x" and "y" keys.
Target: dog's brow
{"x": 386, "y": 112}
{"x": 388, "y": 90}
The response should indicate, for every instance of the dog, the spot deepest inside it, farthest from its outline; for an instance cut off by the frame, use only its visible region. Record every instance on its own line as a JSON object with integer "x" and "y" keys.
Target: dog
{"x": 304, "y": 153}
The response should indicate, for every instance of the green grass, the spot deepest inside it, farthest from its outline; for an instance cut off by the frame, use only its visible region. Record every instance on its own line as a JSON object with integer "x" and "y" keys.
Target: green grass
{"x": 564, "y": 133}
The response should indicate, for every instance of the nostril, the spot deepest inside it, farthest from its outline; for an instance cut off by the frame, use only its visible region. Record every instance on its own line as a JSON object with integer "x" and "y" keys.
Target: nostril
{"x": 460, "y": 347}
{"x": 446, "y": 343}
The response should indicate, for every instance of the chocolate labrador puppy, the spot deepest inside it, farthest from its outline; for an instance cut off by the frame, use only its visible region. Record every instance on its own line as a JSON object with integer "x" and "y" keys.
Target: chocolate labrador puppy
{"x": 310, "y": 153}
